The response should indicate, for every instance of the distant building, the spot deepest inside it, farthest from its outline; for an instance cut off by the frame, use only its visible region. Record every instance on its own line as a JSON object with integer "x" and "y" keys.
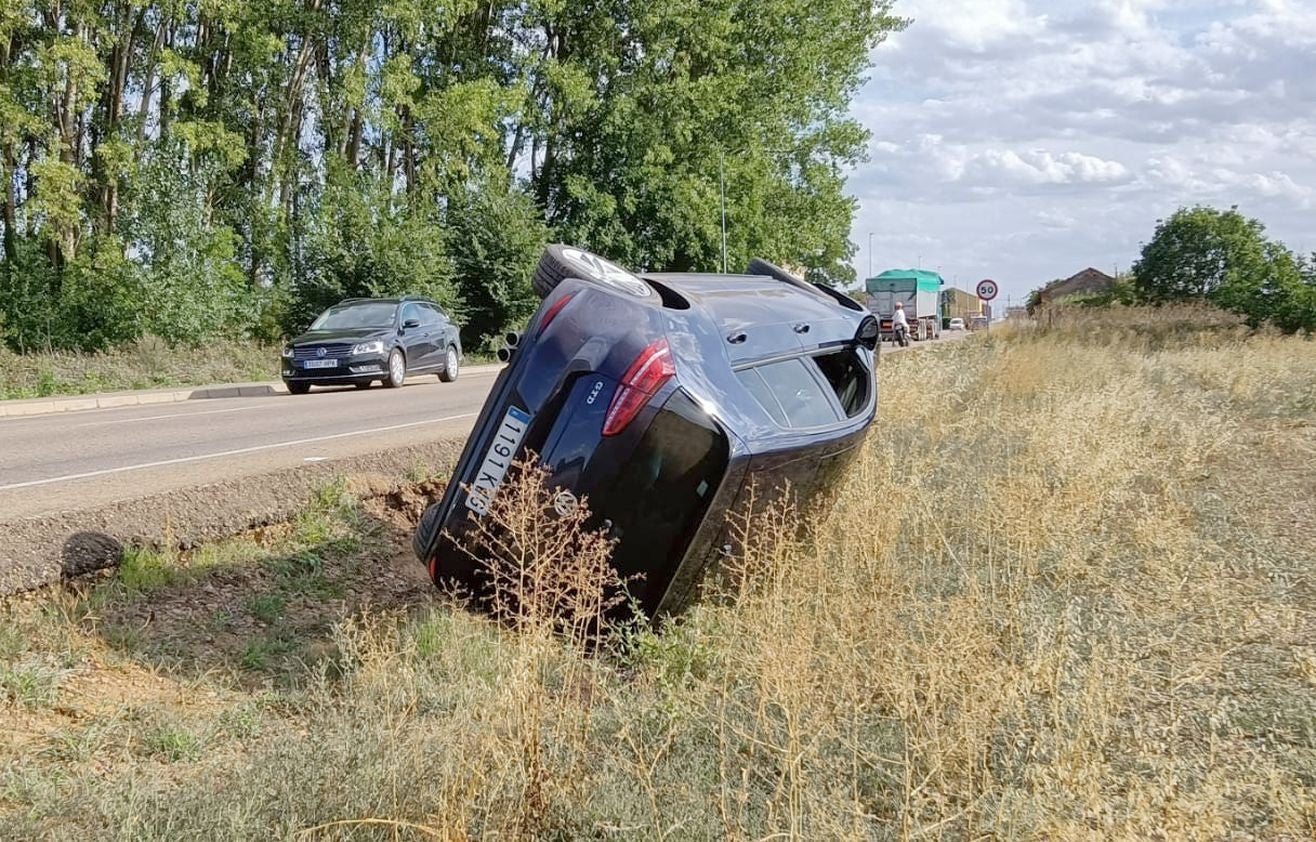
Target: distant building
{"x": 1016, "y": 312}
{"x": 1088, "y": 281}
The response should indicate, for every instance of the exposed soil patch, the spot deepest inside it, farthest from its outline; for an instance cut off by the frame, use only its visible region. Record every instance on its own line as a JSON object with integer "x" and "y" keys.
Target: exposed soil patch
{"x": 278, "y": 611}
{"x": 39, "y": 551}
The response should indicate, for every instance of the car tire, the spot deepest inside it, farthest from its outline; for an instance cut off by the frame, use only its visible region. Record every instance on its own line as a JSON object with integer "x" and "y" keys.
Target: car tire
{"x": 422, "y": 539}
{"x": 298, "y": 388}
{"x": 397, "y": 370}
{"x": 365, "y": 385}
{"x": 560, "y": 262}
{"x": 451, "y": 365}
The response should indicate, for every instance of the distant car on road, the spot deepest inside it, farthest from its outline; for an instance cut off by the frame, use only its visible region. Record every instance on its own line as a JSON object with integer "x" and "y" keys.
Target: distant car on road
{"x": 956, "y": 324}
{"x": 664, "y": 398}
{"x": 361, "y": 340}
{"x": 978, "y": 323}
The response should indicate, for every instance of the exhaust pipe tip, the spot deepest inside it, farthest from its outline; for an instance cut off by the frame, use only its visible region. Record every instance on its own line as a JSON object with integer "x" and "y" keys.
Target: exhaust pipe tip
{"x": 512, "y": 338}
{"x": 504, "y": 354}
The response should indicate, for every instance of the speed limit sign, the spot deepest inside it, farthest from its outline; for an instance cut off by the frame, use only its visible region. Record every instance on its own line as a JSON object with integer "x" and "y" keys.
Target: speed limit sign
{"x": 987, "y": 290}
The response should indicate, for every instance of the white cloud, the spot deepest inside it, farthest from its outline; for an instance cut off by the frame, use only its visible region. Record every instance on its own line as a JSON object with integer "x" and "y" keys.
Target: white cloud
{"x": 1105, "y": 114}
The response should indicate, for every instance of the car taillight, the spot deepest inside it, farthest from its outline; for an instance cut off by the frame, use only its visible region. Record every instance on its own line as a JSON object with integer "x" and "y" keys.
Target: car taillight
{"x": 551, "y": 313}
{"x": 651, "y": 369}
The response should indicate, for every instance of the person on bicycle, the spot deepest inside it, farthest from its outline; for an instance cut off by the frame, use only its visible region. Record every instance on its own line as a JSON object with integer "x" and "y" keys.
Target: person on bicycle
{"x": 900, "y": 324}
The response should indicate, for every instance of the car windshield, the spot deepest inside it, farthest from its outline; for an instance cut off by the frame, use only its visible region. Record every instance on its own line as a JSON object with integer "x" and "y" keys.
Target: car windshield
{"x": 347, "y": 316}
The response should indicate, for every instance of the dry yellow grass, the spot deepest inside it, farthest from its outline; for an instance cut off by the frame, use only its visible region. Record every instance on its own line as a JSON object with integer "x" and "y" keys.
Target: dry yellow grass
{"x": 1070, "y": 596}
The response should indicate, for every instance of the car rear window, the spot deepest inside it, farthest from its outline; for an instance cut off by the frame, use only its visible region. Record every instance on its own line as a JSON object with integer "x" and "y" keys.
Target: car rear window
{"x": 848, "y": 378}
{"x": 662, "y": 492}
{"x": 790, "y": 393}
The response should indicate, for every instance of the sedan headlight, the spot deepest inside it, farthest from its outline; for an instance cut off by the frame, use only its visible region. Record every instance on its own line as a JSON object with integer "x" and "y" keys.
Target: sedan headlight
{"x": 375, "y": 347}
{"x": 287, "y": 352}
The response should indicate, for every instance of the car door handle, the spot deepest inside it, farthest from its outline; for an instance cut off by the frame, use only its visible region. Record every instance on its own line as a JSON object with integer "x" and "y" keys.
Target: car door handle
{"x": 801, "y": 328}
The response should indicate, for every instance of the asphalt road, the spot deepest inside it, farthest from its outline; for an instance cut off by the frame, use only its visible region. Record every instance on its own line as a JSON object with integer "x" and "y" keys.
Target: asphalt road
{"x": 78, "y": 460}
{"x": 74, "y": 461}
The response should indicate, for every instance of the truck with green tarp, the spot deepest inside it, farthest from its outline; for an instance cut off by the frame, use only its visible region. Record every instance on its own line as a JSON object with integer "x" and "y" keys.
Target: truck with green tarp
{"x": 918, "y": 289}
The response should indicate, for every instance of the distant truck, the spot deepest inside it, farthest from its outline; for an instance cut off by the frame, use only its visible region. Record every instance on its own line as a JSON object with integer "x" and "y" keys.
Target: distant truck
{"x": 918, "y": 289}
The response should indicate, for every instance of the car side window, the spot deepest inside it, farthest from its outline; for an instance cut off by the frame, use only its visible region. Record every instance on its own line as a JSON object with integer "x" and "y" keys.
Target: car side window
{"x": 848, "y": 378}
{"x": 799, "y": 394}
{"x": 758, "y": 387}
{"x": 411, "y": 311}
{"x": 431, "y": 315}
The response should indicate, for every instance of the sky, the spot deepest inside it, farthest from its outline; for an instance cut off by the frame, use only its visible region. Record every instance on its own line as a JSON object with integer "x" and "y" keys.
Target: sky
{"x": 1023, "y": 140}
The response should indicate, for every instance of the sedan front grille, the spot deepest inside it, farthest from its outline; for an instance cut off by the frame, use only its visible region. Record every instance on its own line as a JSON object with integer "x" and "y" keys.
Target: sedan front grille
{"x": 332, "y": 351}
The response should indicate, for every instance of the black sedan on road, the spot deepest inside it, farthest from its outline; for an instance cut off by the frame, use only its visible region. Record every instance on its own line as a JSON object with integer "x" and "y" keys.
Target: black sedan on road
{"x": 664, "y": 399}
{"x": 361, "y": 340}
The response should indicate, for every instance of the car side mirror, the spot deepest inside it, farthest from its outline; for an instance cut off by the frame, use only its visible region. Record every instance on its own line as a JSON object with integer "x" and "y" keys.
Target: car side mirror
{"x": 410, "y": 323}
{"x": 868, "y": 333}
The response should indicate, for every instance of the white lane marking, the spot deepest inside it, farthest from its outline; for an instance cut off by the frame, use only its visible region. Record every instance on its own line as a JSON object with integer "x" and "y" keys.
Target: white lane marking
{"x": 478, "y": 371}
{"x": 175, "y": 415}
{"x": 238, "y": 452}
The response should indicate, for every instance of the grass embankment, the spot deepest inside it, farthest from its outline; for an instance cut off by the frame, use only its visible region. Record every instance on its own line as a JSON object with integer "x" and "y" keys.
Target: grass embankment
{"x": 1071, "y": 597}
{"x": 147, "y": 364}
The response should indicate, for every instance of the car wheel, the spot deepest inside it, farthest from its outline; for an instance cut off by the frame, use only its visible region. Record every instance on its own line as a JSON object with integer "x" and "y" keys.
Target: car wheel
{"x": 561, "y": 262}
{"x": 365, "y": 385}
{"x": 397, "y": 370}
{"x": 298, "y": 388}
{"x": 451, "y": 365}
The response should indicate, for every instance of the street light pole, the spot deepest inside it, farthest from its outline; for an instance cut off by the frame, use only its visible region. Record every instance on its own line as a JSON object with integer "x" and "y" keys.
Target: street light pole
{"x": 870, "y": 254}
{"x": 722, "y": 180}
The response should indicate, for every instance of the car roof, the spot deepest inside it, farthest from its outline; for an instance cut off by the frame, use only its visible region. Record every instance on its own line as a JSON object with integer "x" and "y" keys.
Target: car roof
{"x": 736, "y": 300}
{"x": 406, "y": 299}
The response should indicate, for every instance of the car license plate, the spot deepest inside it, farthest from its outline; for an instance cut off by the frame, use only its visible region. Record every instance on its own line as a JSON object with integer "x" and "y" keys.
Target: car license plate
{"x": 497, "y": 460}
{"x": 320, "y": 364}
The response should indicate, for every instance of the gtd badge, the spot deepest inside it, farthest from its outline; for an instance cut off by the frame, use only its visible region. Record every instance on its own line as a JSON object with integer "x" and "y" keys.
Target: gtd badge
{"x": 594, "y": 393}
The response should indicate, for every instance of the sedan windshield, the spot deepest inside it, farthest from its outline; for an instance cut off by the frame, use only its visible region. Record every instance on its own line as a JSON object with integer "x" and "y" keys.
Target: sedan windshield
{"x": 347, "y": 316}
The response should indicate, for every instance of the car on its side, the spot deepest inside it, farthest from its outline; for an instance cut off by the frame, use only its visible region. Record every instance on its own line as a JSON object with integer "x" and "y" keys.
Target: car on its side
{"x": 668, "y": 400}
{"x": 362, "y": 340}
{"x": 956, "y": 324}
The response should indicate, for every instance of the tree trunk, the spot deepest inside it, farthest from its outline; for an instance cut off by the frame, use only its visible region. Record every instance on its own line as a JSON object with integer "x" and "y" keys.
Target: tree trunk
{"x": 166, "y": 89}
{"x": 148, "y": 81}
{"x": 10, "y": 164}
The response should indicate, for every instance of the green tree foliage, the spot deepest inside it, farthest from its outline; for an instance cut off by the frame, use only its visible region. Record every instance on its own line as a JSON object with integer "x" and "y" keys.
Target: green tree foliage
{"x": 1225, "y": 257}
{"x": 202, "y": 168}
{"x": 495, "y": 237}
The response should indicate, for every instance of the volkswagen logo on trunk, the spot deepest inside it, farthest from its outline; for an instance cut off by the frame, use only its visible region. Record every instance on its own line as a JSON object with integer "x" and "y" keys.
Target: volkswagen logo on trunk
{"x": 565, "y": 503}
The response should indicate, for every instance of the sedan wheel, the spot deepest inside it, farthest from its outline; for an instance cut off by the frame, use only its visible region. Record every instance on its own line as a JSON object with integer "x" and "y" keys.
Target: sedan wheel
{"x": 451, "y": 366}
{"x": 397, "y": 369}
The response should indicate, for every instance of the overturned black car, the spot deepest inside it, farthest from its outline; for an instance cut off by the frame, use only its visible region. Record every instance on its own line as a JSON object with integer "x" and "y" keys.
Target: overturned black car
{"x": 664, "y": 398}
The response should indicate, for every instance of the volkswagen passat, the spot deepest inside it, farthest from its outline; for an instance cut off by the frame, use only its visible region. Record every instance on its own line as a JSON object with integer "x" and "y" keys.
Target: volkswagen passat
{"x": 363, "y": 340}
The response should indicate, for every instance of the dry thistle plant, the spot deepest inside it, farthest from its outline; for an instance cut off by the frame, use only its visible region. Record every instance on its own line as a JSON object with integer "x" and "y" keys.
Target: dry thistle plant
{"x": 543, "y": 569}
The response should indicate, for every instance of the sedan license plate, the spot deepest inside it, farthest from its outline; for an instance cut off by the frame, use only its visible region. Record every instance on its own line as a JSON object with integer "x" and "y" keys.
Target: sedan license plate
{"x": 497, "y": 460}
{"x": 320, "y": 364}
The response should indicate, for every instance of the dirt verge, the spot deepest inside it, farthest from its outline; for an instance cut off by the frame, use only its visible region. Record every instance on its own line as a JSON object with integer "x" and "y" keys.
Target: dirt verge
{"x": 40, "y": 550}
